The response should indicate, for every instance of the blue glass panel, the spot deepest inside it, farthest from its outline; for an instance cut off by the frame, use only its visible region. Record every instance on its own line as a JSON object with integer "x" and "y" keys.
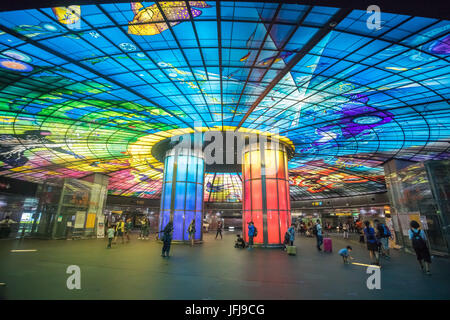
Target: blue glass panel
{"x": 180, "y": 196}
{"x": 182, "y": 162}
{"x": 178, "y": 224}
{"x": 191, "y": 196}
{"x": 167, "y": 195}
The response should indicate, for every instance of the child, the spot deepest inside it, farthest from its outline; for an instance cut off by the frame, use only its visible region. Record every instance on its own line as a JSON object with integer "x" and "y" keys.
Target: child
{"x": 239, "y": 243}
{"x": 111, "y": 232}
{"x": 345, "y": 254}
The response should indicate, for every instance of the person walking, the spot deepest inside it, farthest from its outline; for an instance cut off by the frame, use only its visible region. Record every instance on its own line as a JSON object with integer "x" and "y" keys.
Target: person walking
{"x": 111, "y": 233}
{"x": 372, "y": 243}
{"x": 419, "y": 243}
{"x": 167, "y": 239}
{"x": 128, "y": 228}
{"x": 251, "y": 234}
{"x": 383, "y": 235}
{"x": 219, "y": 230}
{"x": 120, "y": 229}
{"x": 317, "y": 231}
{"x": 143, "y": 228}
{"x": 191, "y": 231}
{"x": 147, "y": 228}
{"x": 345, "y": 230}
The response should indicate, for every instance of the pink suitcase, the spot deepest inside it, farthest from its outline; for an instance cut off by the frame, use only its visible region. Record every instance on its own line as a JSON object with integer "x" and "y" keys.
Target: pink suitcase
{"x": 327, "y": 245}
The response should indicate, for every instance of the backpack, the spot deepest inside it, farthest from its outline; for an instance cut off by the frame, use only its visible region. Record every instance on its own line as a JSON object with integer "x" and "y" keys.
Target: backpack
{"x": 255, "y": 233}
{"x": 417, "y": 241}
{"x": 287, "y": 237}
{"x": 386, "y": 231}
{"x": 315, "y": 230}
{"x": 370, "y": 234}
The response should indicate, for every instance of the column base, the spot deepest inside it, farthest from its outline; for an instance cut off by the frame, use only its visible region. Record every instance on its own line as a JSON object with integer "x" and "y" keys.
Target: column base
{"x": 183, "y": 242}
{"x": 268, "y": 246}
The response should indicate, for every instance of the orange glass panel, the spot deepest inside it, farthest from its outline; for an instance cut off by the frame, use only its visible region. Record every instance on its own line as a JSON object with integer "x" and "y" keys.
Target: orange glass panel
{"x": 257, "y": 217}
{"x": 273, "y": 226}
{"x": 271, "y": 194}
{"x": 270, "y": 164}
{"x": 255, "y": 160}
{"x": 256, "y": 194}
{"x": 282, "y": 193}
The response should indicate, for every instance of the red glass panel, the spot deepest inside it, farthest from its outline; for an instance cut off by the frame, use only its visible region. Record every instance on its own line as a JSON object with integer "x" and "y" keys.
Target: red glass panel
{"x": 270, "y": 164}
{"x": 255, "y": 161}
{"x": 246, "y": 218}
{"x": 246, "y": 166}
{"x": 273, "y": 226}
{"x": 288, "y": 199}
{"x": 256, "y": 195}
{"x": 283, "y": 222}
{"x": 281, "y": 160}
{"x": 271, "y": 194}
{"x": 257, "y": 217}
{"x": 282, "y": 194}
{"x": 247, "y": 193}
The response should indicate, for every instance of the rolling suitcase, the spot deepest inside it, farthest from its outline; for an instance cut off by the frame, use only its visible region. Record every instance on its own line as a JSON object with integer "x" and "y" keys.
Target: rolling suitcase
{"x": 291, "y": 250}
{"x": 327, "y": 245}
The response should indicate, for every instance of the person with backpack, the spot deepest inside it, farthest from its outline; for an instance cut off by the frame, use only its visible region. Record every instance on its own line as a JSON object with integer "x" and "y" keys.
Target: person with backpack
{"x": 372, "y": 243}
{"x": 167, "y": 239}
{"x": 252, "y": 232}
{"x": 419, "y": 243}
{"x": 317, "y": 231}
{"x": 383, "y": 235}
{"x": 191, "y": 231}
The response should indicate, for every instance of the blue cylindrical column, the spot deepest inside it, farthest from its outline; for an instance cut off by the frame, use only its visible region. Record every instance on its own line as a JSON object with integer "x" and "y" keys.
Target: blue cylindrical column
{"x": 182, "y": 193}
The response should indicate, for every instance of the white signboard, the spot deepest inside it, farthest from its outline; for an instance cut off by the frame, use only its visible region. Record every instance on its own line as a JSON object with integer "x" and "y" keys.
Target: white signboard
{"x": 101, "y": 226}
{"x": 80, "y": 218}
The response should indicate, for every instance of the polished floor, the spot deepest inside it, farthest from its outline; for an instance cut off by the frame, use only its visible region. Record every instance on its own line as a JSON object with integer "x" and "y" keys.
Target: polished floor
{"x": 212, "y": 270}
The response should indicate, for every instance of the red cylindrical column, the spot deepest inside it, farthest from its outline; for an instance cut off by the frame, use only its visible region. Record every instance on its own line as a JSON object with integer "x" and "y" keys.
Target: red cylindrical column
{"x": 266, "y": 199}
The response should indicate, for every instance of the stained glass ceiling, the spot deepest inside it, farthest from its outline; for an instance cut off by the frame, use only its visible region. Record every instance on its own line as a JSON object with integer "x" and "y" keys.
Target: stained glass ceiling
{"x": 91, "y": 88}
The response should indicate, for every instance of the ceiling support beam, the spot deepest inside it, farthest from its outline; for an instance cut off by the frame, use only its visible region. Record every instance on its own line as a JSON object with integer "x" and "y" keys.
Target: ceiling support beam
{"x": 334, "y": 21}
